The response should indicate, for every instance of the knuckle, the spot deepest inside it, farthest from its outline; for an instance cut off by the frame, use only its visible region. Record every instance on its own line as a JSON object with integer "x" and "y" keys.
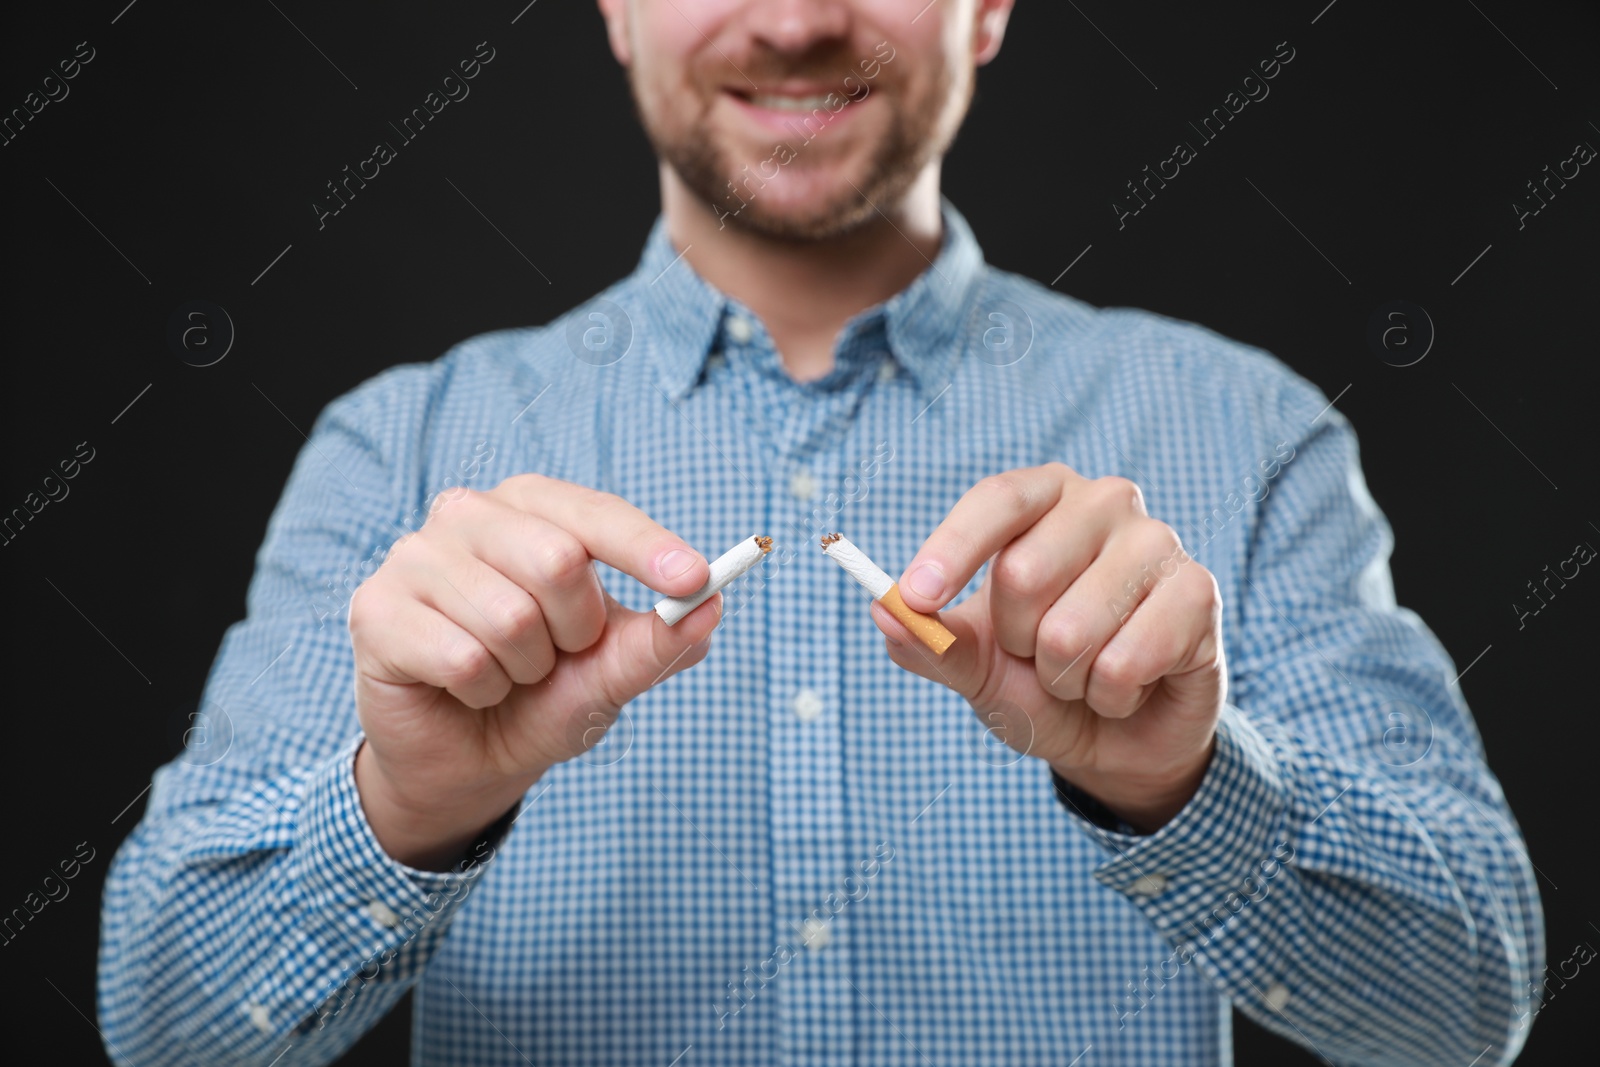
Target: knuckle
{"x": 514, "y": 614}
{"x": 525, "y": 481}
{"x": 1202, "y": 589}
{"x": 1019, "y": 573}
{"x": 1116, "y": 670}
{"x": 560, "y": 561}
{"x": 530, "y": 491}
{"x": 462, "y": 662}
{"x": 1158, "y": 539}
{"x": 1172, "y": 563}
{"x": 1011, "y": 489}
{"x": 361, "y": 605}
{"x": 1062, "y": 637}
{"x": 1121, "y": 493}
{"x": 399, "y": 558}
{"x": 401, "y": 543}
{"x": 456, "y": 501}
{"x": 521, "y": 490}
{"x": 370, "y": 603}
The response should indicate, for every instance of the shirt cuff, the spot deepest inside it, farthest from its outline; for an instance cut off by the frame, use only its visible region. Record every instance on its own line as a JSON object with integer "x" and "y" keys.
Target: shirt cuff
{"x": 1230, "y": 837}
{"x": 360, "y": 917}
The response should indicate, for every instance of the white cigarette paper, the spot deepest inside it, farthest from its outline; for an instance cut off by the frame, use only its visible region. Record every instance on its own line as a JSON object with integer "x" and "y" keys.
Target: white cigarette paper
{"x": 725, "y": 570}
{"x": 925, "y": 628}
{"x": 857, "y": 565}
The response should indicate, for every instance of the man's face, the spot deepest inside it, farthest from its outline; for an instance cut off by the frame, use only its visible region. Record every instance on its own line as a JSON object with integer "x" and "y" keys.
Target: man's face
{"x": 792, "y": 118}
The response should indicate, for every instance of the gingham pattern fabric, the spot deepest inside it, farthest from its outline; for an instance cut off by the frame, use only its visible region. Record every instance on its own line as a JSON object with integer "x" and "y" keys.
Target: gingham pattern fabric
{"x": 795, "y": 852}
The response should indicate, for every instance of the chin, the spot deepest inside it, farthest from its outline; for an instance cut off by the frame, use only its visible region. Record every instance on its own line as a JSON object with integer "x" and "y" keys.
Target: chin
{"x": 789, "y": 199}
{"x": 829, "y": 210}
{"x": 802, "y": 219}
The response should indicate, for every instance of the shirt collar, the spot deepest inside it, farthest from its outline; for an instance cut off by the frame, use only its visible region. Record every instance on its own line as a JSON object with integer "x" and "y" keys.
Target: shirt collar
{"x": 926, "y": 322}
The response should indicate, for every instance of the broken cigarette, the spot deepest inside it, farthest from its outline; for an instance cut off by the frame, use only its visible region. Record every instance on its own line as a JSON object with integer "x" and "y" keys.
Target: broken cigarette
{"x": 927, "y": 628}
{"x": 725, "y": 570}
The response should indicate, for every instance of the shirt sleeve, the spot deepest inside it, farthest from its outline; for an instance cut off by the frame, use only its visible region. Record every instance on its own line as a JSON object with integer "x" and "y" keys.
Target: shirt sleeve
{"x": 1348, "y": 873}
{"x": 252, "y": 914}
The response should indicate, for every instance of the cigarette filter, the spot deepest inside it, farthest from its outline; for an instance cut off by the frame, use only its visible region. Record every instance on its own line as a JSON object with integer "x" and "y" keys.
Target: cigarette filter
{"x": 725, "y": 570}
{"x": 927, "y": 628}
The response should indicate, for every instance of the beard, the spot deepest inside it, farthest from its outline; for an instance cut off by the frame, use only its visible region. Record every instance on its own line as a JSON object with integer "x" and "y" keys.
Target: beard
{"x": 716, "y": 174}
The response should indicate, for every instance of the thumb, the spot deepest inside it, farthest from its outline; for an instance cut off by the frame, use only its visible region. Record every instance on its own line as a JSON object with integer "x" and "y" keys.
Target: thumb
{"x": 638, "y": 650}
{"x": 963, "y": 667}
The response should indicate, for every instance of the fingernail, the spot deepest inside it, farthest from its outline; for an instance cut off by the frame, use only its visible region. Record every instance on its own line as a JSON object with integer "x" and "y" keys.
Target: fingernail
{"x": 927, "y": 580}
{"x": 674, "y": 563}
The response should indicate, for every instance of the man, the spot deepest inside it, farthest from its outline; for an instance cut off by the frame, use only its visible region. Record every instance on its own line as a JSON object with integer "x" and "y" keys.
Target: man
{"x": 1232, "y": 770}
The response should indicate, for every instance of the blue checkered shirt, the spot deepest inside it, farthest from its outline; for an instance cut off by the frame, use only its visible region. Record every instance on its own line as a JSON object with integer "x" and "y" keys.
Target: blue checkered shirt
{"x": 796, "y": 852}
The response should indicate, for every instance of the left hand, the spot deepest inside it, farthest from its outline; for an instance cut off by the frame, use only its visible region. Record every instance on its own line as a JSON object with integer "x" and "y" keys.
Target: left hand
{"x": 1095, "y": 640}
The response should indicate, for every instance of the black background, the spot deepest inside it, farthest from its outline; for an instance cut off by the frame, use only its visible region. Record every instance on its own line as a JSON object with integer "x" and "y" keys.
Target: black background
{"x": 190, "y": 150}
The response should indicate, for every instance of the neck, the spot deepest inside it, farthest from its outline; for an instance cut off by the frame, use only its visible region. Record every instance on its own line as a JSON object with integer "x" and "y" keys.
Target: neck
{"x": 805, "y": 291}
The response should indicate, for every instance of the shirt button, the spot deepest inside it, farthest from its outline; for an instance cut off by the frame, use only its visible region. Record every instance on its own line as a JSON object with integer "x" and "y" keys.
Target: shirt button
{"x": 1277, "y": 996}
{"x": 259, "y": 1018}
{"x": 814, "y": 934}
{"x": 739, "y": 328}
{"x": 807, "y": 705}
{"x": 1148, "y": 885}
{"x": 802, "y": 486}
{"x": 887, "y": 369}
{"x": 382, "y": 914}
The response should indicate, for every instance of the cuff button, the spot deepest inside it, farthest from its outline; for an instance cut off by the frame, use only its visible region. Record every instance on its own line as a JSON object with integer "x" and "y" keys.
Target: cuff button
{"x": 1276, "y": 997}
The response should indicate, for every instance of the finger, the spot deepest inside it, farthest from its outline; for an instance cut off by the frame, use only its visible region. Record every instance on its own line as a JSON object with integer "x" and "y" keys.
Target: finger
{"x": 987, "y": 517}
{"x": 612, "y": 531}
{"x": 499, "y": 613}
{"x": 1171, "y": 635}
{"x": 1137, "y": 559}
{"x": 961, "y": 667}
{"x": 641, "y": 651}
{"x": 1030, "y": 574}
{"x": 547, "y": 561}
{"x": 401, "y": 641}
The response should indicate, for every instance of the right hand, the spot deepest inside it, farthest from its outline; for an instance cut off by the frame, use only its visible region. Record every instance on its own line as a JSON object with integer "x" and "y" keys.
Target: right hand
{"x": 487, "y": 651}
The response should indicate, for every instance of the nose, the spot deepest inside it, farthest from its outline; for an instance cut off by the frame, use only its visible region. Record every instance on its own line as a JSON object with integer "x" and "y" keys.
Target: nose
{"x": 797, "y": 26}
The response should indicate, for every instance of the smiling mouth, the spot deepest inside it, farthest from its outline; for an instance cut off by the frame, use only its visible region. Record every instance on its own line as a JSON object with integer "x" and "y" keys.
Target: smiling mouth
{"x": 799, "y": 109}
{"x": 793, "y": 98}
{"x": 784, "y": 102}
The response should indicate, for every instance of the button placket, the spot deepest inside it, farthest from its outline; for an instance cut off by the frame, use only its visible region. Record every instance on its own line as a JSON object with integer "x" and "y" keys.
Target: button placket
{"x": 806, "y": 763}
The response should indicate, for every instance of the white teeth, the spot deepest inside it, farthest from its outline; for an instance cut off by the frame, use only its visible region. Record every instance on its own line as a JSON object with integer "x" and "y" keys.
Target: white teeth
{"x": 789, "y": 103}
